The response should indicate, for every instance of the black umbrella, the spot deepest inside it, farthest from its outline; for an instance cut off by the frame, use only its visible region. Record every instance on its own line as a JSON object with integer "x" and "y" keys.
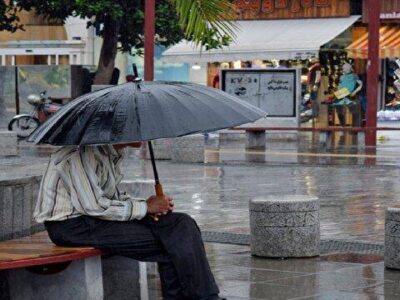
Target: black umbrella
{"x": 143, "y": 111}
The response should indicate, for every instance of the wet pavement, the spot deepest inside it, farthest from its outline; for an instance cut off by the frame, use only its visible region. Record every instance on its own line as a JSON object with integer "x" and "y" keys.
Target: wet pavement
{"x": 354, "y": 186}
{"x": 353, "y": 198}
{"x": 241, "y": 276}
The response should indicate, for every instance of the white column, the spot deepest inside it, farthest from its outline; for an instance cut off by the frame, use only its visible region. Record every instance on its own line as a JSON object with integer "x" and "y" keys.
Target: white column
{"x": 49, "y": 59}
{"x": 3, "y": 60}
{"x": 78, "y": 58}
{"x": 13, "y": 60}
{"x": 57, "y": 59}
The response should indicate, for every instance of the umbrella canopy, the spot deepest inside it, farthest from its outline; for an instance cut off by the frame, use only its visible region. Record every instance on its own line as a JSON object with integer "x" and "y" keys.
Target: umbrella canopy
{"x": 142, "y": 111}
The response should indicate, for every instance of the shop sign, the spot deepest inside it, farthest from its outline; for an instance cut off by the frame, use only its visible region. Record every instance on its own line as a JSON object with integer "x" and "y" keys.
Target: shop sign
{"x": 390, "y": 16}
{"x": 277, "y": 9}
{"x": 273, "y": 90}
{"x": 390, "y": 10}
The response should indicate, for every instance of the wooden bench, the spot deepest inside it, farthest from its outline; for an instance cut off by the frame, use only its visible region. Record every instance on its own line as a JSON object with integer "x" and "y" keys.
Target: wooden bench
{"x": 34, "y": 268}
{"x": 24, "y": 263}
{"x": 38, "y": 250}
{"x": 256, "y": 136}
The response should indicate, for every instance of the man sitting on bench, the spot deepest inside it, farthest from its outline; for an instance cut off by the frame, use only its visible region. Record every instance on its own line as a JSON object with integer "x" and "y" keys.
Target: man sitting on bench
{"x": 80, "y": 205}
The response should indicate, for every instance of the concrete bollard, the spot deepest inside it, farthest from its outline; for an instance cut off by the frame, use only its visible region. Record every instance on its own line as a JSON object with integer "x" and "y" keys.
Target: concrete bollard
{"x": 392, "y": 237}
{"x": 255, "y": 140}
{"x": 9, "y": 143}
{"x": 161, "y": 149}
{"x": 285, "y": 226}
{"x": 17, "y": 201}
{"x": 188, "y": 149}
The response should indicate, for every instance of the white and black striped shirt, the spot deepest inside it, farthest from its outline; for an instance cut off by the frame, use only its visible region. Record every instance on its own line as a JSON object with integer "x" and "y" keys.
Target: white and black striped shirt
{"x": 83, "y": 181}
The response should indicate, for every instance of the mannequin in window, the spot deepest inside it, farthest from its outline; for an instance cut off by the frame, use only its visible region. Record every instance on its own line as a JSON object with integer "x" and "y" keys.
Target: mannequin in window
{"x": 349, "y": 87}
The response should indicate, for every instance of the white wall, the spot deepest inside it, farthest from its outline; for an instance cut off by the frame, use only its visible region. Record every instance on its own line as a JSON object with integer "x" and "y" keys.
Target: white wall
{"x": 199, "y": 76}
{"x": 76, "y": 28}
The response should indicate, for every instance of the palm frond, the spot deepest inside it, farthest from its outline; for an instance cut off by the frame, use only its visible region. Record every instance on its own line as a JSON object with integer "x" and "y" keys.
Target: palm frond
{"x": 206, "y": 20}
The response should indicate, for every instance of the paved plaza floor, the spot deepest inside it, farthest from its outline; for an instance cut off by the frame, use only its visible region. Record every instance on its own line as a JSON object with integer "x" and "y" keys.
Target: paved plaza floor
{"x": 354, "y": 188}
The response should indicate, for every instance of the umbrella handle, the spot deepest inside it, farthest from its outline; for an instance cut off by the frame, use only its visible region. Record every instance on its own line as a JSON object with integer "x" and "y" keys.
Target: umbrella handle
{"x": 159, "y": 190}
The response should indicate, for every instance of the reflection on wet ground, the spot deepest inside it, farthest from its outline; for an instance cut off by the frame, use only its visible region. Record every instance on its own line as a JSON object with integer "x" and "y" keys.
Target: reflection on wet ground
{"x": 354, "y": 186}
{"x": 353, "y": 198}
{"x": 241, "y": 276}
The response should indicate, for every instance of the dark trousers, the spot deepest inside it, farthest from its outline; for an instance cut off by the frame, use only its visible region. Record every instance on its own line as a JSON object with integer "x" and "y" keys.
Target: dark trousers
{"x": 174, "y": 242}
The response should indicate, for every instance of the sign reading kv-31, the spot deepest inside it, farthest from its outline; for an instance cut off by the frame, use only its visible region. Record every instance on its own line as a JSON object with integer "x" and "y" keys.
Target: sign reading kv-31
{"x": 276, "y": 91}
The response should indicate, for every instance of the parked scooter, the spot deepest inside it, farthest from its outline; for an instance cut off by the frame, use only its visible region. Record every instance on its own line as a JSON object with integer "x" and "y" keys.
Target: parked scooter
{"x": 25, "y": 124}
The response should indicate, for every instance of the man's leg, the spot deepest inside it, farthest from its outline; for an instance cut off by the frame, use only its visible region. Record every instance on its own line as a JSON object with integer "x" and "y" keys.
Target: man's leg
{"x": 181, "y": 238}
{"x": 132, "y": 239}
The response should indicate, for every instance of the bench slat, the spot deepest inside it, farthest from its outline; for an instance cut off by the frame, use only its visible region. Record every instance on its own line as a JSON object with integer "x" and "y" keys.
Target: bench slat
{"x": 39, "y": 250}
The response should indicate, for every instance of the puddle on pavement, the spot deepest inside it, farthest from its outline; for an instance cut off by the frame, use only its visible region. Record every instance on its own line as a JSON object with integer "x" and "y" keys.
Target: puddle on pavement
{"x": 349, "y": 257}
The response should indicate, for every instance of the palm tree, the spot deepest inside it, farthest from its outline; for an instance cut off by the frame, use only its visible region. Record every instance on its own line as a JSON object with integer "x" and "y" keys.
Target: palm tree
{"x": 205, "y": 19}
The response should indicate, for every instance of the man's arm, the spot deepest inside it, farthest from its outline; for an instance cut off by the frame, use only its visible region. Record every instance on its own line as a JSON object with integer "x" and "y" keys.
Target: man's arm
{"x": 89, "y": 198}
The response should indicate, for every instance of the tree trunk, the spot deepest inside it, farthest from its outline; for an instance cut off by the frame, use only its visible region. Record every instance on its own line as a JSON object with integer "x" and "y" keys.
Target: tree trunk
{"x": 108, "y": 52}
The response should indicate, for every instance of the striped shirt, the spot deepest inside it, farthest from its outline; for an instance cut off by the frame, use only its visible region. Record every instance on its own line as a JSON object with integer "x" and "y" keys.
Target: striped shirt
{"x": 84, "y": 181}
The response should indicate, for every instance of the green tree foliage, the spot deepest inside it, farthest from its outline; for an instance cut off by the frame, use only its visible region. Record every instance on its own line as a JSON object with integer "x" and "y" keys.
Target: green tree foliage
{"x": 121, "y": 23}
{"x": 9, "y": 20}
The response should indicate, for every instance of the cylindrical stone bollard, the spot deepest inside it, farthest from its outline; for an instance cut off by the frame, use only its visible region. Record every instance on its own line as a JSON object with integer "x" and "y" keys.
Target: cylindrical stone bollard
{"x": 188, "y": 148}
{"x": 161, "y": 149}
{"x": 285, "y": 226}
{"x": 9, "y": 143}
{"x": 18, "y": 197}
{"x": 392, "y": 237}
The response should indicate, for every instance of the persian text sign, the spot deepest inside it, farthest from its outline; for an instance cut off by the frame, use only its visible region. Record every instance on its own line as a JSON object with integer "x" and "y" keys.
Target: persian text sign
{"x": 283, "y": 9}
{"x": 272, "y": 90}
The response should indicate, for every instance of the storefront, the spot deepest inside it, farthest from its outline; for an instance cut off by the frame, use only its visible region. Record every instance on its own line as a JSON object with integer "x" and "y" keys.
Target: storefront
{"x": 279, "y": 34}
{"x": 389, "y": 41}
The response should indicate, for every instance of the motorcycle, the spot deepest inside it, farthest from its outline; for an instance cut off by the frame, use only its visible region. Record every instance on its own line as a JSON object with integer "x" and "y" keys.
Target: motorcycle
{"x": 25, "y": 124}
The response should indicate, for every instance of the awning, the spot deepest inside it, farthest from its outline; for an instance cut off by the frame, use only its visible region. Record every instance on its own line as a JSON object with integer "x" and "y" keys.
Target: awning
{"x": 389, "y": 43}
{"x": 267, "y": 39}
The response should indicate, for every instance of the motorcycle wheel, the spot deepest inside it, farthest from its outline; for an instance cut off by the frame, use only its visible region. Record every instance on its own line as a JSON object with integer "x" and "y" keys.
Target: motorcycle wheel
{"x": 24, "y": 126}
